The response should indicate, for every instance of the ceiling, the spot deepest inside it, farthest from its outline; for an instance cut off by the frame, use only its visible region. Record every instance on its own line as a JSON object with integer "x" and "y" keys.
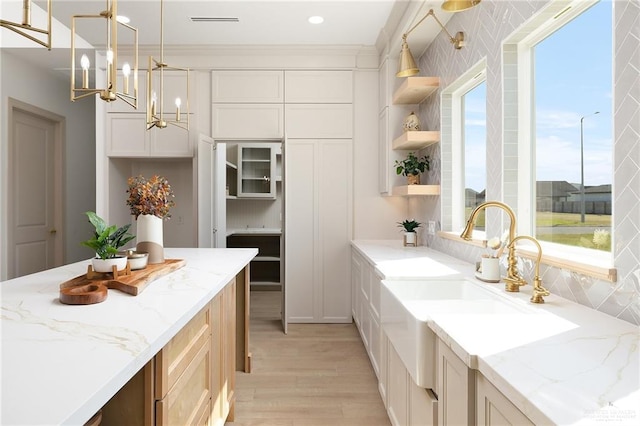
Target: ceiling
{"x": 260, "y": 22}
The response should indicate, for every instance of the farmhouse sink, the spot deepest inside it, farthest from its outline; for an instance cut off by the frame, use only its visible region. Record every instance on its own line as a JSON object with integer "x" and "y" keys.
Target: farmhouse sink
{"x": 407, "y": 306}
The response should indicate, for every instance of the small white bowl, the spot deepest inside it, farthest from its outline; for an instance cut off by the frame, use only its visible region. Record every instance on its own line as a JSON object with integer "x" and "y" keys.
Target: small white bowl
{"x": 137, "y": 259}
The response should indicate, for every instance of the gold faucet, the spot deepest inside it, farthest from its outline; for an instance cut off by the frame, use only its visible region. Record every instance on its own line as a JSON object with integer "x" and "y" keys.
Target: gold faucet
{"x": 538, "y": 290}
{"x": 513, "y": 280}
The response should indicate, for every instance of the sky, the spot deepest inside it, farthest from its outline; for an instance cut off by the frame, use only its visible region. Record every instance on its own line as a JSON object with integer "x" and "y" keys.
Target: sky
{"x": 573, "y": 79}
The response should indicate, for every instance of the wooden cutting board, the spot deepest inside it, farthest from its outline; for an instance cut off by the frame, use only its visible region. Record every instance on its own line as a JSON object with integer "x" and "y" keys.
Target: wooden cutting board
{"x": 84, "y": 291}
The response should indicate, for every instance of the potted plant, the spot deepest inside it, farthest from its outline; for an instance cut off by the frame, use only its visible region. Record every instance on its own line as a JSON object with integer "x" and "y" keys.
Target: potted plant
{"x": 150, "y": 201}
{"x": 412, "y": 166}
{"x": 106, "y": 241}
{"x": 410, "y": 235}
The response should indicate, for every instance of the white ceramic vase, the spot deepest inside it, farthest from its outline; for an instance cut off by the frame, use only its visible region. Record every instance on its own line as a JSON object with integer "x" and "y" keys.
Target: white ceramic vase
{"x": 106, "y": 265}
{"x": 149, "y": 237}
{"x": 410, "y": 239}
{"x": 491, "y": 269}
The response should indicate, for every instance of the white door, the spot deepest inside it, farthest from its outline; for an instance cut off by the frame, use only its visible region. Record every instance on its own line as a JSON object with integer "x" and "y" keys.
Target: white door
{"x": 211, "y": 193}
{"x": 35, "y": 240}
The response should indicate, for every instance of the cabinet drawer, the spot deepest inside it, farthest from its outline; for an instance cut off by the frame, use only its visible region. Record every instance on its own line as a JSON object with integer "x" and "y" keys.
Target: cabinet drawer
{"x": 189, "y": 401}
{"x": 247, "y": 121}
{"x": 179, "y": 354}
{"x": 321, "y": 121}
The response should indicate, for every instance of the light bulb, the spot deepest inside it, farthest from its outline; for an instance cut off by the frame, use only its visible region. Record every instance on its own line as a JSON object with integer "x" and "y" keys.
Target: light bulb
{"x": 154, "y": 99}
{"x": 85, "y": 63}
{"x": 126, "y": 69}
{"x": 178, "y": 102}
{"x": 110, "y": 56}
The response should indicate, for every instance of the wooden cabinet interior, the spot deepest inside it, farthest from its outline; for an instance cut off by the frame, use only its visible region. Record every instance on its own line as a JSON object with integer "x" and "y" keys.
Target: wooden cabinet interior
{"x": 265, "y": 267}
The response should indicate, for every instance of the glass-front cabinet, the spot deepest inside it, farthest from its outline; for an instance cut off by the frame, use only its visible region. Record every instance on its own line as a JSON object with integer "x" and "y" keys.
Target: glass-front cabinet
{"x": 256, "y": 171}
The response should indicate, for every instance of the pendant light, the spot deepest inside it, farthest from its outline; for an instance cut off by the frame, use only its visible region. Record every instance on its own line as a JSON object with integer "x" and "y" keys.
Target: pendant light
{"x": 156, "y": 93}
{"x": 25, "y": 28}
{"x": 110, "y": 92}
{"x": 459, "y": 5}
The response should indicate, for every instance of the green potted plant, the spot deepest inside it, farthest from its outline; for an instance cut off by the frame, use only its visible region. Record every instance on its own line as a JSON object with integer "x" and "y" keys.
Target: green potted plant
{"x": 106, "y": 241}
{"x": 412, "y": 166}
{"x": 410, "y": 235}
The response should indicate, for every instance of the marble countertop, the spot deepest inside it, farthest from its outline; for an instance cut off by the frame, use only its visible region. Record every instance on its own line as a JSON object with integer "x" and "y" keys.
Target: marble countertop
{"x": 558, "y": 362}
{"x": 62, "y": 363}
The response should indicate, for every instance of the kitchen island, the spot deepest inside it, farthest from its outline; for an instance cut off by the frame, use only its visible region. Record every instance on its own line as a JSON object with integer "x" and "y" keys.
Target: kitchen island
{"x": 62, "y": 363}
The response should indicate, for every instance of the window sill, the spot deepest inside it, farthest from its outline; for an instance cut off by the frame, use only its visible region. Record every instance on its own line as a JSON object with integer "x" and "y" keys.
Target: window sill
{"x": 575, "y": 259}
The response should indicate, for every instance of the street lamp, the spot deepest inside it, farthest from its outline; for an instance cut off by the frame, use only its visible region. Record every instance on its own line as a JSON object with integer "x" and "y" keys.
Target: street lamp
{"x": 582, "y": 164}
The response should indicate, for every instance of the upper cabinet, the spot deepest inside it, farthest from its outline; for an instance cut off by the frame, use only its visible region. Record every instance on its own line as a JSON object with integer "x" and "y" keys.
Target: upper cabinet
{"x": 247, "y": 104}
{"x": 331, "y": 87}
{"x": 247, "y": 87}
{"x": 256, "y": 170}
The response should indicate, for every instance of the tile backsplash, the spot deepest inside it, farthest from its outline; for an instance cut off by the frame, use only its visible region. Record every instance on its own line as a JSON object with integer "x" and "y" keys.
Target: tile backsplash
{"x": 485, "y": 27}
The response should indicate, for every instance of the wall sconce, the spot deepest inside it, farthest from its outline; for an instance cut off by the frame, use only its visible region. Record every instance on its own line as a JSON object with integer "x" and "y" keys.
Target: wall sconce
{"x": 155, "y": 93}
{"x": 26, "y": 25}
{"x": 110, "y": 92}
{"x": 408, "y": 65}
{"x": 459, "y": 6}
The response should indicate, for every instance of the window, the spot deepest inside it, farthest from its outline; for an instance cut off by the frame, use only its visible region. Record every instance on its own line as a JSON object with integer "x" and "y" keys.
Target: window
{"x": 572, "y": 75}
{"x": 474, "y": 141}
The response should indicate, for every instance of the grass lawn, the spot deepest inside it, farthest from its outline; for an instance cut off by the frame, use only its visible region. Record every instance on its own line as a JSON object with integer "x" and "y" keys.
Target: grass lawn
{"x": 571, "y": 219}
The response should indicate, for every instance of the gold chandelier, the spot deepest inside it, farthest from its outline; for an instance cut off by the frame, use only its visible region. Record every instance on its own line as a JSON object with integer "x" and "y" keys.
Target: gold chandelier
{"x": 25, "y": 27}
{"x": 156, "y": 92}
{"x": 110, "y": 92}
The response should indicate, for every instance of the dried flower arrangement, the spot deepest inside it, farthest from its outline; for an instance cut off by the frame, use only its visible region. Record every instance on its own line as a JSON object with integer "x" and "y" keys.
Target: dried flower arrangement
{"x": 153, "y": 196}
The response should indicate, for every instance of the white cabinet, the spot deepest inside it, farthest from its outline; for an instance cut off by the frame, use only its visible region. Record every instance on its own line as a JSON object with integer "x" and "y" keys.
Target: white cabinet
{"x": 455, "y": 389}
{"x": 423, "y": 406}
{"x": 332, "y": 87}
{"x": 247, "y": 121}
{"x": 247, "y": 104}
{"x": 249, "y": 87}
{"x": 493, "y": 408}
{"x": 398, "y": 390}
{"x": 318, "y": 211}
{"x": 127, "y": 137}
{"x": 256, "y": 171}
{"x": 330, "y": 121}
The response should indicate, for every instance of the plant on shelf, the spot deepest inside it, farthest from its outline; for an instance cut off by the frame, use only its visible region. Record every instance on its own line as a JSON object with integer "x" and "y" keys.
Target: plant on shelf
{"x": 107, "y": 239}
{"x": 412, "y": 166}
{"x": 409, "y": 225}
{"x": 152, "y": 196}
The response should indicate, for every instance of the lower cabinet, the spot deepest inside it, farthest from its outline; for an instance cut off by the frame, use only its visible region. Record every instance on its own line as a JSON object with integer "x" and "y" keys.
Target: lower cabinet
{"x": 455, "y": 389}
{"x": 493, "y": 408}
{"x": 191, "y": 380}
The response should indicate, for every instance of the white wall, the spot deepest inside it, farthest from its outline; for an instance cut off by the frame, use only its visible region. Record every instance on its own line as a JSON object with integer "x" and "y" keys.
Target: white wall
{"x": 49, "y": 90}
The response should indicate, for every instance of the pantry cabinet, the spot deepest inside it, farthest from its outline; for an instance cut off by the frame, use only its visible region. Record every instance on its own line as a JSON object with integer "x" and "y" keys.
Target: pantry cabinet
{"x": 318, "y": 215}
{"x": 330, "y": 87}
{"x": 256, "y": 171}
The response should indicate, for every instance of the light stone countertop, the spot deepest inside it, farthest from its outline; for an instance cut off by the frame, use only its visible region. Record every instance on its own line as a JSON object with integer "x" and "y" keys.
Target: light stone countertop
{"x": 254, "y": 231}
{"x": 62, "y": 363}
{"x": 558, "y": 362}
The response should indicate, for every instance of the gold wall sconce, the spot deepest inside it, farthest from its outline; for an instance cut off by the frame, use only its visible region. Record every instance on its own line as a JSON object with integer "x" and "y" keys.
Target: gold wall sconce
{"x": 110, "y": 92}
{"x": 156, "y": 86}
{"x": 25, "y": 27}
{"x": 459, "y": 6}
{"x": 408, "y": 66}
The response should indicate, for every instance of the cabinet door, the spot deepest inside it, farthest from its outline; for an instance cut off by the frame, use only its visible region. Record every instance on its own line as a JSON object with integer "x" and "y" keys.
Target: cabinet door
{"x": 456, "y": 405}
{"x": 398, "y": 390}
{"x": 319, "y": 87}
{"x": 127, "y": 135}
{"x": 493, "y": 408}
{"x": 229, "y": 354}
{"x": 247, "y": 86}
{"x": 423, "y": 406}
{"x": 217, "y": 347}
{"x": 172, "y": 141}
{"x": 247, "y": 121}
{"x": 256, "y": 171}
{"x": 356, "y": 280}
{"x": 329, "y": 121}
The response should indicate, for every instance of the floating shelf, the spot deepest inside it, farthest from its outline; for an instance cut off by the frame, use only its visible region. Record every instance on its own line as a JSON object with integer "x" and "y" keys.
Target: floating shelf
{"x": 416, "y": 190}
{"x": 415, "y": 90}
{"x": 231, "y": 165}
{"x": 416, "y": 139}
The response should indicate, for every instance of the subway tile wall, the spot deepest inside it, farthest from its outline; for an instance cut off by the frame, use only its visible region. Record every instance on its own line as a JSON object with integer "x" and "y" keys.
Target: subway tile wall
{"x": 485, "y": 28}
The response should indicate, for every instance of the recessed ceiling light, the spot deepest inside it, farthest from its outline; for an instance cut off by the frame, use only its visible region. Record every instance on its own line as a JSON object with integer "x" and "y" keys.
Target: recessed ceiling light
{"x": 316, "y": 19}
{"x": 123, "y": 19}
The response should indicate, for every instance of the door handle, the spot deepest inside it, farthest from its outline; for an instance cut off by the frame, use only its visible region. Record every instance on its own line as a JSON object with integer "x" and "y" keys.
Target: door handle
{"x": 53, "y": 231}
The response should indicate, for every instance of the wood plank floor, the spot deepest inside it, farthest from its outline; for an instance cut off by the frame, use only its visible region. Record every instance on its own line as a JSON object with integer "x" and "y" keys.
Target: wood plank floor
{"x": 316, "y": 375}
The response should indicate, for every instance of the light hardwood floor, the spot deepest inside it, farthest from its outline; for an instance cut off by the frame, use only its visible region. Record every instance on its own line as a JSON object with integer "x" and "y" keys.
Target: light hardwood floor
{"x": 316, "y": 375}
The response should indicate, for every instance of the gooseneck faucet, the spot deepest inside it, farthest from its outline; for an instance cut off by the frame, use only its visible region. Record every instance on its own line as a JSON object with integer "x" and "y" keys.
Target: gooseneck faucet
{"x": 513, "y": 280}
{"x": 538, "y": 290}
